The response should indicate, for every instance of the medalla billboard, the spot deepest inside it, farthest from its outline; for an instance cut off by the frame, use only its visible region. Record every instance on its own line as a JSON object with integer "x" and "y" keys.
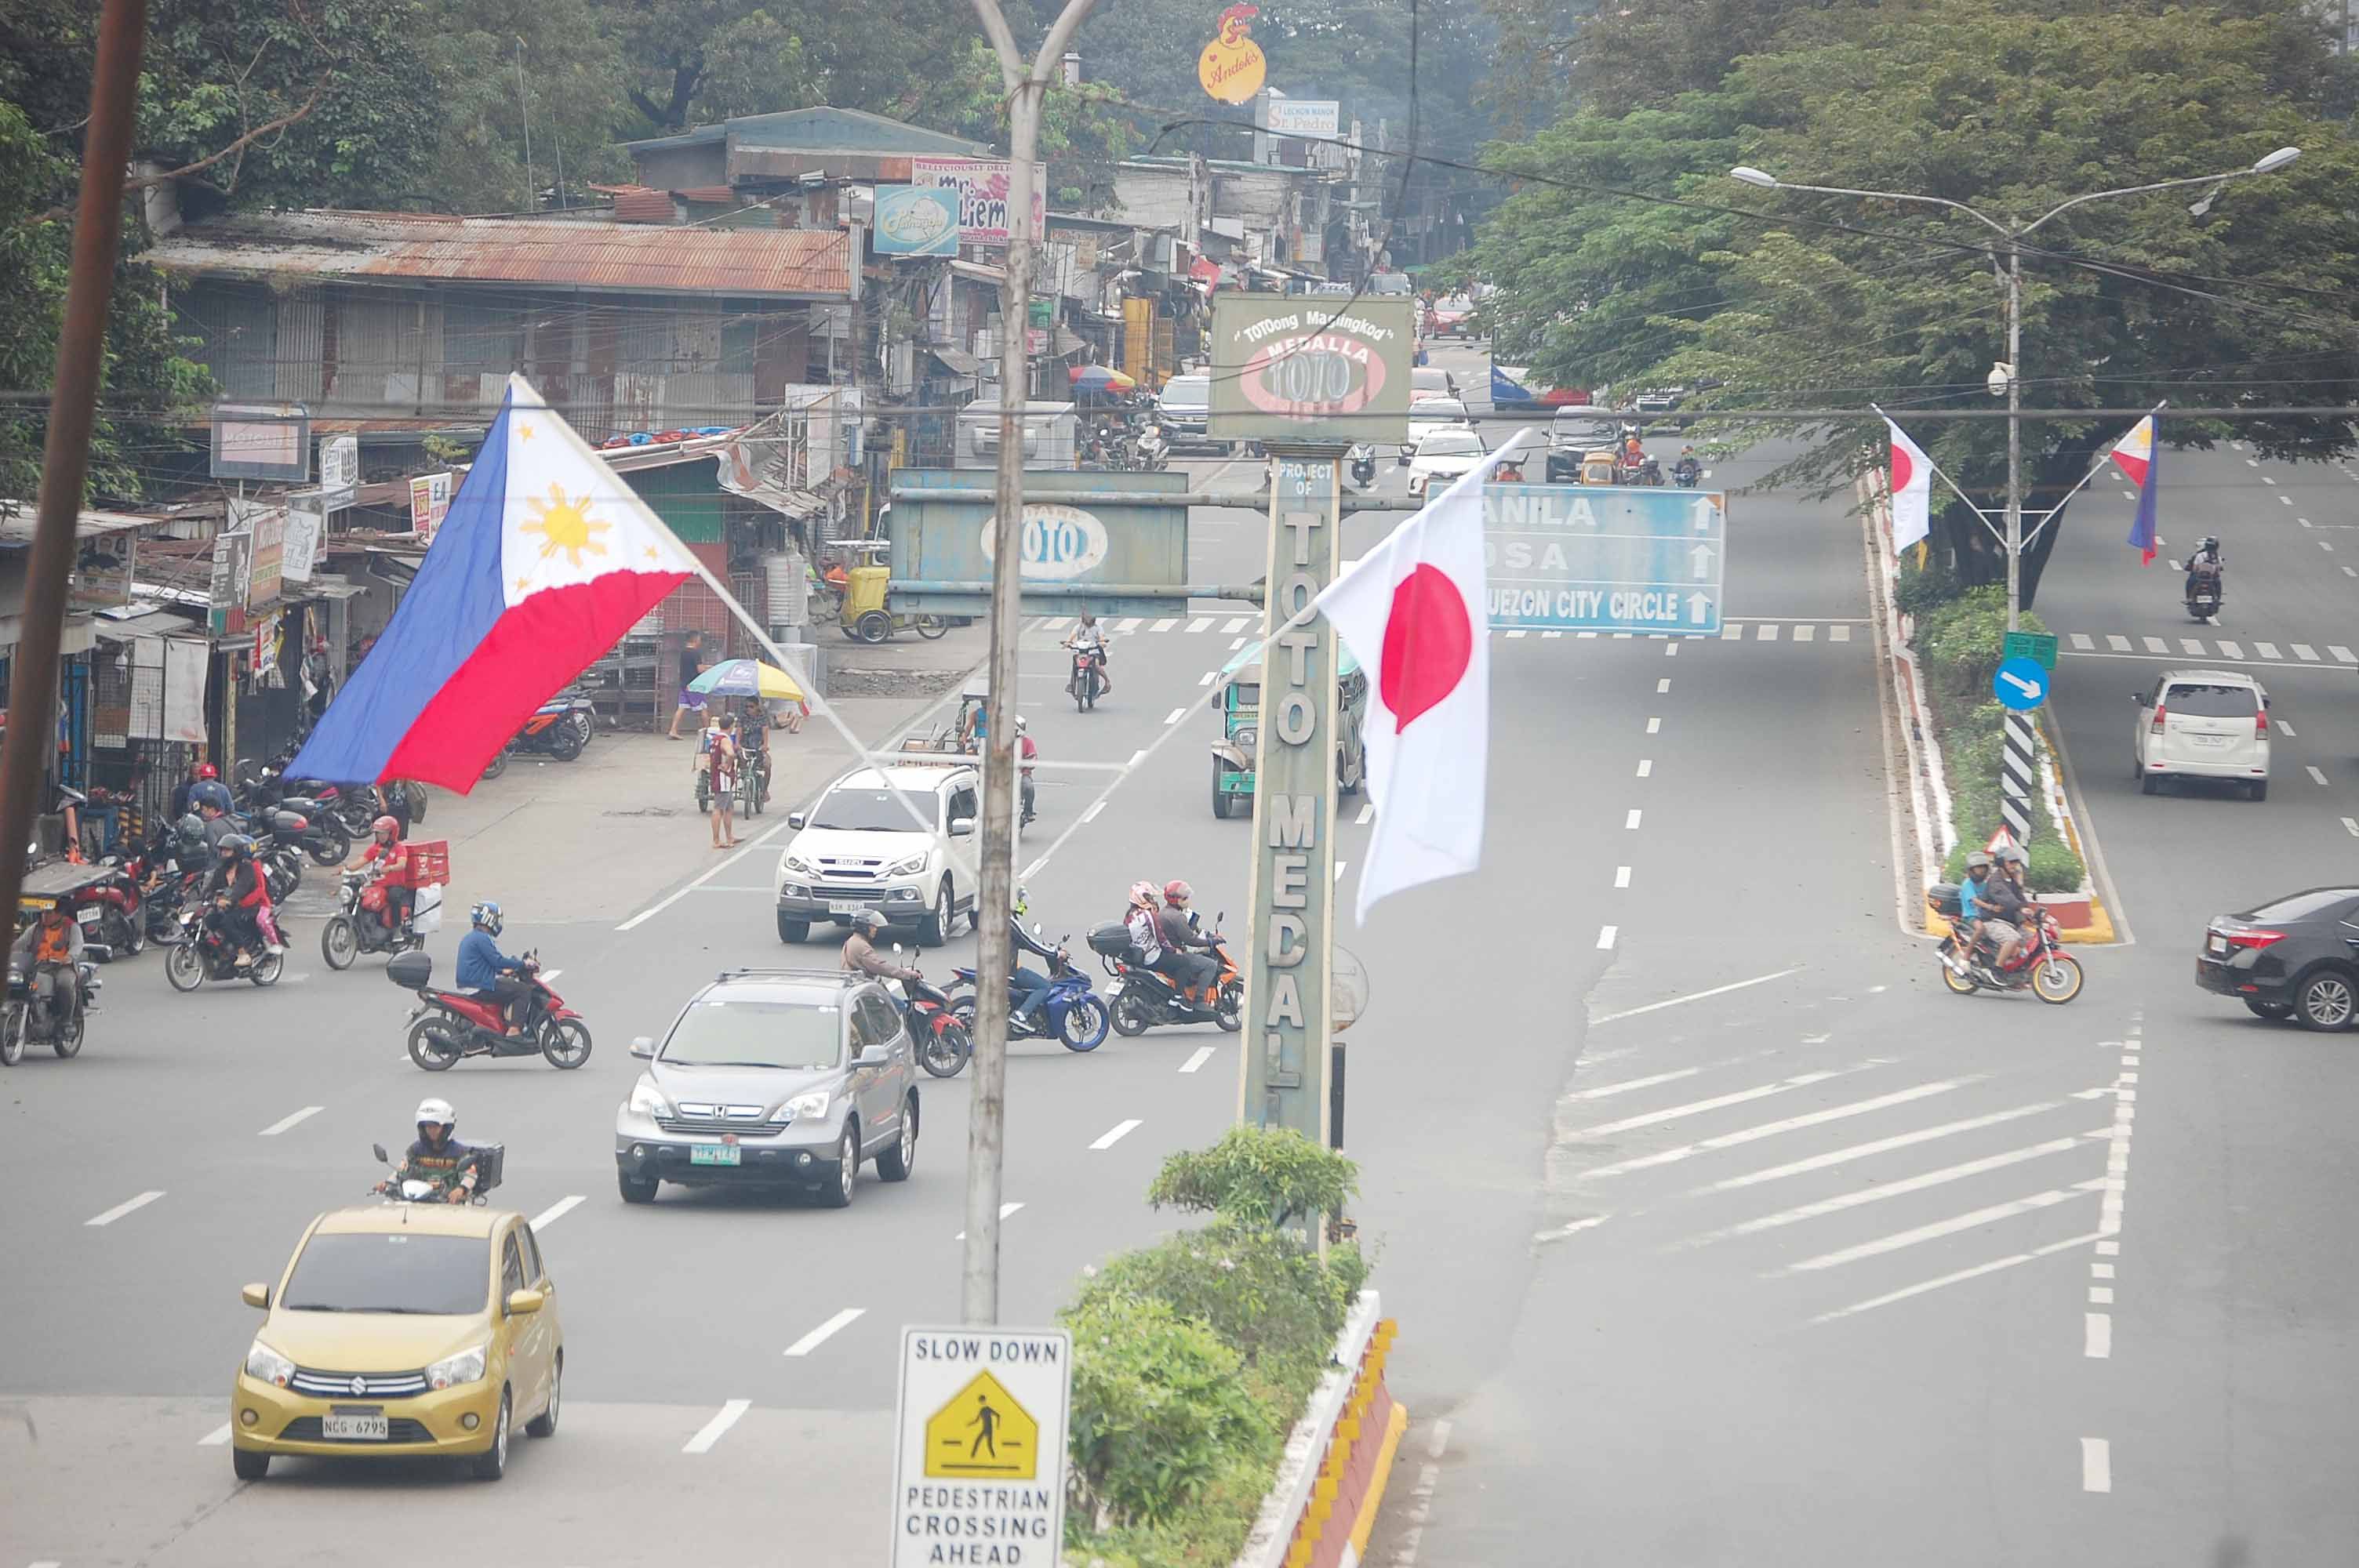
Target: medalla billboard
{"x": 1297, "y": 368}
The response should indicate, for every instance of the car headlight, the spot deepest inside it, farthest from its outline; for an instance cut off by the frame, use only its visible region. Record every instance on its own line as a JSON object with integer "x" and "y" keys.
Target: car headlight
{"x": 796, "y": 863}
{"x": 467, "y": 1366}
{"x": 265, "y": 1365}
{"x": 649, "y": 1100}
{"x": 909, "y": 867}
{"x": 813, "y": 1104}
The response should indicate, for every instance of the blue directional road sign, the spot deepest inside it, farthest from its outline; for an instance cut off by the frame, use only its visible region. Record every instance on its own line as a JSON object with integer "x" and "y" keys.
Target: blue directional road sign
{"x": 2020, "y": 684}
{"x": 1605, "y": 557}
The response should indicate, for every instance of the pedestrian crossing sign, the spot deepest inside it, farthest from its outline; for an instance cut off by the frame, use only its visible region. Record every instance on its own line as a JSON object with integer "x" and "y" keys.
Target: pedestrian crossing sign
{"x": 983, "y": 1434}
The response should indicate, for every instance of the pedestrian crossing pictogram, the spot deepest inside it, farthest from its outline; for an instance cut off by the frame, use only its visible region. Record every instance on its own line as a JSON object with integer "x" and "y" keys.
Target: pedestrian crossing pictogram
{"x": 982, "y": 1431}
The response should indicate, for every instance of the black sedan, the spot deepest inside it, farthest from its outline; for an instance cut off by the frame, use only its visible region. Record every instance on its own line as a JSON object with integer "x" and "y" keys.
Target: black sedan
{"x": 2297, "y": 957}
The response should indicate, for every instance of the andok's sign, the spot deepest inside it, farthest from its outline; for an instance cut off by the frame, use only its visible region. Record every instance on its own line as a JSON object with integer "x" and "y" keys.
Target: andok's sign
{"x": 1309, "y": 370}
{"x": 1232, "y": 68}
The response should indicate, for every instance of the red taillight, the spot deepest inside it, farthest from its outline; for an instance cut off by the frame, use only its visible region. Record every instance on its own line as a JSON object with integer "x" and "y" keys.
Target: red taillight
{"x": 2260, "y": 726}
{"x": 2252, "y": 938}
{"x": 2160, "y": 713}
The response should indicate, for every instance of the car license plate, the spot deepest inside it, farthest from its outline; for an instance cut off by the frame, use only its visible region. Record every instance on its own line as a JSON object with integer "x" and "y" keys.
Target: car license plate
{"x": 2212, "y": 740}
{"x": 355, "y": 1428}
{"x": 2215, "y": 943}
{"x": 712, "y": 1153}
{"x": 845, "y": 906}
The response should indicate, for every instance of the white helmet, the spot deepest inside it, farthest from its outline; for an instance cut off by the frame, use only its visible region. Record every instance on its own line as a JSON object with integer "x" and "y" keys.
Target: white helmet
{"x": 1021, "y": 723}
{"x": 438, "y": 1112}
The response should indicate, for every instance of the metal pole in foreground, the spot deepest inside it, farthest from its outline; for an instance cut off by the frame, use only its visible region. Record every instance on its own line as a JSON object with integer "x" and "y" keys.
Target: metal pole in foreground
{"x": 1027, "y": 86}
{"x": 65, "y": 460}
{"x": 2014, "y": 436}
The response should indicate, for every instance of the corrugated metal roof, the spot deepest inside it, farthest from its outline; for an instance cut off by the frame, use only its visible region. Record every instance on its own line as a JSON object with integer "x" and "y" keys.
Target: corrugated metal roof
{"x": 592, "y": 254}
{"x": 642, "y": 204}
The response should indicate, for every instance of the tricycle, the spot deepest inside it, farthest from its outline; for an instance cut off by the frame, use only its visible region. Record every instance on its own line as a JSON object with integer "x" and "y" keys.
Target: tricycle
{"x": 1236, "y": 697}
{"x": 862, "y": 582}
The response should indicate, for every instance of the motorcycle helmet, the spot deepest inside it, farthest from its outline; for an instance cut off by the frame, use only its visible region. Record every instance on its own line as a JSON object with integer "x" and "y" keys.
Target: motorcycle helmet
{"x": 487, "y": 915}
{"x": 192, "y": 827}
{"x": 207, "y": 770}
{"x": 2011, "y": 855}
{"x": 1176, "y": 892}
{"x": 438, "y": 1113}
{"x": 1142, "y": 895}
{"x": 1977, "y": 863}
{"x": 237, "y": 844}
{"x": 388, "y": 826}
{"x": 868, "y": 921}
{"x": 1021, "y": 725}
{"x": 1020, "y": 897}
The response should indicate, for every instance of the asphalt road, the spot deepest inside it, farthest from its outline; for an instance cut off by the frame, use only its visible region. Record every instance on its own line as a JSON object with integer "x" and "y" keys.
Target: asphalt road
{"x": 1718, "y": 1231}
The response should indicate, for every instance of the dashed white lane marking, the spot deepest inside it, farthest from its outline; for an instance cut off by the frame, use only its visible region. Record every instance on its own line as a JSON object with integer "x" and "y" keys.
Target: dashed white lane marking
{"x": 1663, "y": 684}
{"x": 1210, "y": 676}
{"x": 1175, "y": 716}
{"x": 2305, "y": 652}
{"x": 1138, "y": 756}
{"x": 1883, "y": 1190}
{"x": 1879, "y": 1146}
{"x": 1941, "y": 1227}
{"x": 558, "y": 1210}
{"x": 1005, "y": 1210}
{"x": 711, "y": 1431}
{"x": 1120, "y": 1130}
{"x": 1646, "y": 767}
{"x": 2233, "y": 650}
{"x": 119, "y": 1210}
{"x": 1545, "y": 636}
{"x": 1236, "y": 625}
{"x": 2083, "y": 640}
{"x": 1806, "y": 633}
{"x": 1367, "y": 815}
{"x": 2285, "y": 501}
{"x": 1838, "y": 633}
{"x": 1959, "y": 1277}
{"x": 284, "y": 1122}
{"x": 2351, "y": 825}
{"x": 1732, "y": 632}
{"x": 1773, "y": 1128}
{"x": 1516, "y": 632}
{"x": 1654, "y": 726}
{"x": 1202, "y": 1054}
{"x": 1200, "y": 624}
{"x": 215, "y": 1438}
{"x": 2268, "y": 480}
{"x": 1127, "y": 623}
{"x": 1766, "y": 633}
{"x": 1698, "y": 1108}
{"x": 1339, "y": 869}
{"x": 1165, "y": 624}
{"x": 1672, "y": 650}
{"x": 1606, "y": 936}
{"x": 2265, "y": 650}
{"x": 2193, "y": 648}
{"x": 2326, "y": 545}
{"x": 1091, "y": 814}
{"x": 825, "y": 1331}
{"x": 2100, "y": 1295}
{"x": 2315, "y": 776}
{"x": 2341, "y": 653}
{"x": 1235, "y": 645}
{"x": 2118, "y": 643}
{"x": 2096, "y": 1464}
{"x": 1630, "y": 823}
{"x": 1695, "y": 996}
{"x": 1621, "y": 876}
{"x": 2156, "y": 645}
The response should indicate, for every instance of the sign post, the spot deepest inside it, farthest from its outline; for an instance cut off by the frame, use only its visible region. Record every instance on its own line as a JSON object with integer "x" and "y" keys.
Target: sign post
{"x": 979, "y": 1455}
{"x": 1308, "y": 379}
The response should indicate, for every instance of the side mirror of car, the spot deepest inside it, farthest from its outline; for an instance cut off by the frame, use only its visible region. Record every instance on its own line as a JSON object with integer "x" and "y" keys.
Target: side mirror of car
{"x": 960, "y": 826}
{"x": 872, "y": 1057}
{"x": 378, "y": 1150}
{"x": 256, "y": 1297}
{"x": 795, "y": 819}
{"x": 643, "y": 1047}
{"x": 523, "y": 1303}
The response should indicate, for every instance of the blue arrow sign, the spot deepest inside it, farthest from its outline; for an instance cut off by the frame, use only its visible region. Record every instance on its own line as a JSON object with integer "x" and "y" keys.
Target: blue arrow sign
{"x": 1605, "y": 557}
{"x": 2020, "y": 684}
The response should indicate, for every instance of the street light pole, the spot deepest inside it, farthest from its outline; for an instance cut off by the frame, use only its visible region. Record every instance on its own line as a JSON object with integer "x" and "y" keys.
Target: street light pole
{"x": 1027, "y": 86}
{"x": 2011, "y": 279}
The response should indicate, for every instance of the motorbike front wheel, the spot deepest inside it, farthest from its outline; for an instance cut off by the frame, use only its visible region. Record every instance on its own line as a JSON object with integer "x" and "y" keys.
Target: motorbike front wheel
{"x": 184, "y": 965}
{"x": 945, "y": 1050}
{"x": 12, "y": 1035}
{"x": 1130, "y": 1017}
{"x": 67, "y": 1041}
{"x": 565, "y": 742}
{"x": 1085, "y": 1024}
{"x": 431, "y": 1048}
{"x": 565, "y": 1041}
{"x": 329, "y": 844}
{"x": 128, "y": 935}
{"x": 1229, "y": 1010}
{"x": 2056, "y": 980}
{"x": 340, "y": 942}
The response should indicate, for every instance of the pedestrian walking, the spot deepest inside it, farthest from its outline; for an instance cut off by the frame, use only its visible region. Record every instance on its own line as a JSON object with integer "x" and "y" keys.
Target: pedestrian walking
{"x": 692, "y": 665}
{"x": 723, "y": 758}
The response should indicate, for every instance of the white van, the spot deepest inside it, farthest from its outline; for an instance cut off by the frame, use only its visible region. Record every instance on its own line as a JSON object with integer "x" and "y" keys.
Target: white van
{"x": 2203, "y": 724}
{"x": 1183, "y": 408}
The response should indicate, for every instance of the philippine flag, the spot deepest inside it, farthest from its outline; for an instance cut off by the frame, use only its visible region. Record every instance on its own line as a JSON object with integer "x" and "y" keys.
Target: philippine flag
{"x": 2133, "y": 454}
{"x": 1912, "y": 492}
{"x": 546, "y": 559}
{"x": 1415, "y": 610}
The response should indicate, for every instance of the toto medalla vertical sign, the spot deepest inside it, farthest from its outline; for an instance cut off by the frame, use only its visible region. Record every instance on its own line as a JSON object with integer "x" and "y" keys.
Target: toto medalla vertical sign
{"x": 1291, "y": 368}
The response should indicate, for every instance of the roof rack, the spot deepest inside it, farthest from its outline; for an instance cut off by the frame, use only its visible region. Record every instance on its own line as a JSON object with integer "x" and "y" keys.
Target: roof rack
{"x": 818, "y": 977}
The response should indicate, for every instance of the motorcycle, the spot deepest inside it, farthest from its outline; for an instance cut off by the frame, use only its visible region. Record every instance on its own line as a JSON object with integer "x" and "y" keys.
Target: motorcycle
{"x": 358, "y": 925}
{"x": 21, "y": 1020}
{"x": 1144, "y": 998}
{"x": 2204, "y": 594}
{"x": 944, "y": 1040}
{"x": 488, "y": 1160}
{"x": 1088, "y": 679}
{"x": 1072, "y": 1015}
{"x": 200, "y": 953}
{"x": 446, "y": 1026}
{"x": 1648, "y": 471}
{"x": 325, "y": 836}
{"x": 1686, "y": 473}
{"x": 112, "y": 909}
{"x": 1364, "y": 465}
{"x": 2042, "y": 968}
{"x": 1153, "y": 449}
{"x": 551, "y": 731}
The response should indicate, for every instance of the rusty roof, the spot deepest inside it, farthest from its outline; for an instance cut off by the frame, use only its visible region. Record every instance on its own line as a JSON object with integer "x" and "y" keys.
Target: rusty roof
{"x": 595, "y": 254}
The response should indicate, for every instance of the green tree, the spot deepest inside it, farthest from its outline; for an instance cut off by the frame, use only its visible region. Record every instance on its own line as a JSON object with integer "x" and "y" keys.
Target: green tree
{"x": 691, "y": 62}
{"x": 2010, "y": 106}
{"x": 1085, "y": 131}
{"x": 573, "y": 84}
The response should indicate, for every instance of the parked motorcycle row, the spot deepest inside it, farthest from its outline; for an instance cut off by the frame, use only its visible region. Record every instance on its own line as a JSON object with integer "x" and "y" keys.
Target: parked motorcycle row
{"x": 1112, "y": 445}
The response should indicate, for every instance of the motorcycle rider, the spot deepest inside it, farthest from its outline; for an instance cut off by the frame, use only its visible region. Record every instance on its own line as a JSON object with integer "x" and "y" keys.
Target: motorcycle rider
{"x": 1688, "y": 470}
{"x": 2206, "y": 564}
{"x": 485, "y": 970}
{"x": 242, "y": 898}
{"x": 1633, "y": 452}
{"x": 2004, "y": 903}
{"x": 1088, "y": 638}
{"x": 1185, "y": 949}
{"x": 1970, "y": 903}
{"x": 198, "y": 771}
{"x": 218, "y": 823}
{"x": 1027, "y": 988}
{"x": 1025, "y": 753}
{"x": 437, "y": 1156}
{"x": 859, "y": 953}
{"x": 49, "y": 949}
{"x": 385, "y": 851}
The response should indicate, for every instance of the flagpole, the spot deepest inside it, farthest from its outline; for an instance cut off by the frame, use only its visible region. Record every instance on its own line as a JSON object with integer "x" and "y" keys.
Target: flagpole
{"x": 2104, "y": 456}
{"x": 1961, "y": 495}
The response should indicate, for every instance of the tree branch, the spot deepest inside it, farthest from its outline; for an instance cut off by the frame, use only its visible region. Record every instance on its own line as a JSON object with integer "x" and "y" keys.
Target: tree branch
{"x": 238, "y": 146}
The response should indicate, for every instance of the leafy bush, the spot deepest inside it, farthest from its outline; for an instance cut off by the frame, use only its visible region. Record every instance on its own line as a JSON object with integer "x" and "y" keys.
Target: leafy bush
{"x": 1921, "y": 592}
{"x": 2054, "y": 869}
{"x": 1958, "y": 645}
{"x": 1273, "y": 1175}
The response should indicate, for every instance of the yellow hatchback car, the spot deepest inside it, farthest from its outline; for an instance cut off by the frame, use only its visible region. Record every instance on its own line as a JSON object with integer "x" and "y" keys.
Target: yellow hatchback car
{"x": 407, "y": 1329}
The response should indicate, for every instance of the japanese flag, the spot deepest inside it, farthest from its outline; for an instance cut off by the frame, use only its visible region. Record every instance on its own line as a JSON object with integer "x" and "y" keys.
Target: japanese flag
{"x": 1912, "y": 491}
{"x": 1415, "y": 614}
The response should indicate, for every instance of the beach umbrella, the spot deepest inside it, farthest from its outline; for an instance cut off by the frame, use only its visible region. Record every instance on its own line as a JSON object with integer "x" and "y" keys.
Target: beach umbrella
{"x": 1099, "y": 378}
{"x": 746, "y": 677}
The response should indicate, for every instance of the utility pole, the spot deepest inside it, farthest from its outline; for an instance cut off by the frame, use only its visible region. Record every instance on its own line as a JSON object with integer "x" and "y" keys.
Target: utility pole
{"x": 1027, "y": 86}
{"x": 74, "y": 403}
{"x": 2014, "y": 436}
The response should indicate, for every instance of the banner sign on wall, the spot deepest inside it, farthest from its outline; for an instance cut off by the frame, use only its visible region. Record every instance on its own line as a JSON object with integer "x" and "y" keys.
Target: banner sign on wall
{"x": 1304, "y": 117}
{"x": 1290, "y": 368}
{"x": 1232, "y": 68}
{"x": 981, "y": 185}
{"x": 916, "y": 220}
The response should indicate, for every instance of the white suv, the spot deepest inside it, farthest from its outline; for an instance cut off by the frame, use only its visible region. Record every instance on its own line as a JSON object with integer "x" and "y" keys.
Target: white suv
{"x": 885, "y": 838}
{"x": 2203, "y": 724}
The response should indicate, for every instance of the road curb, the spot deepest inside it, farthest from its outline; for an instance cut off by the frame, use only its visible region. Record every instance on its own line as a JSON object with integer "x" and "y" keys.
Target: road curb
{"x": 1332, "y": 1478}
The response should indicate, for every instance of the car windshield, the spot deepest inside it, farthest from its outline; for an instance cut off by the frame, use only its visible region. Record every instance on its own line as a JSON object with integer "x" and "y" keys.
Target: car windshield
{"x": 1443, "y": 443}
{"x": 2210, "y": 701}
{"x": 2302, "y": 905}
{"x": 1438, "y": 408}
{"x": 397, "y": 1272}
{"x": 722, "y": 1032}
{"x": 874, "y": 811}
{"x": 1188, "y": 391}
{"x": 1427, "y": 380}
